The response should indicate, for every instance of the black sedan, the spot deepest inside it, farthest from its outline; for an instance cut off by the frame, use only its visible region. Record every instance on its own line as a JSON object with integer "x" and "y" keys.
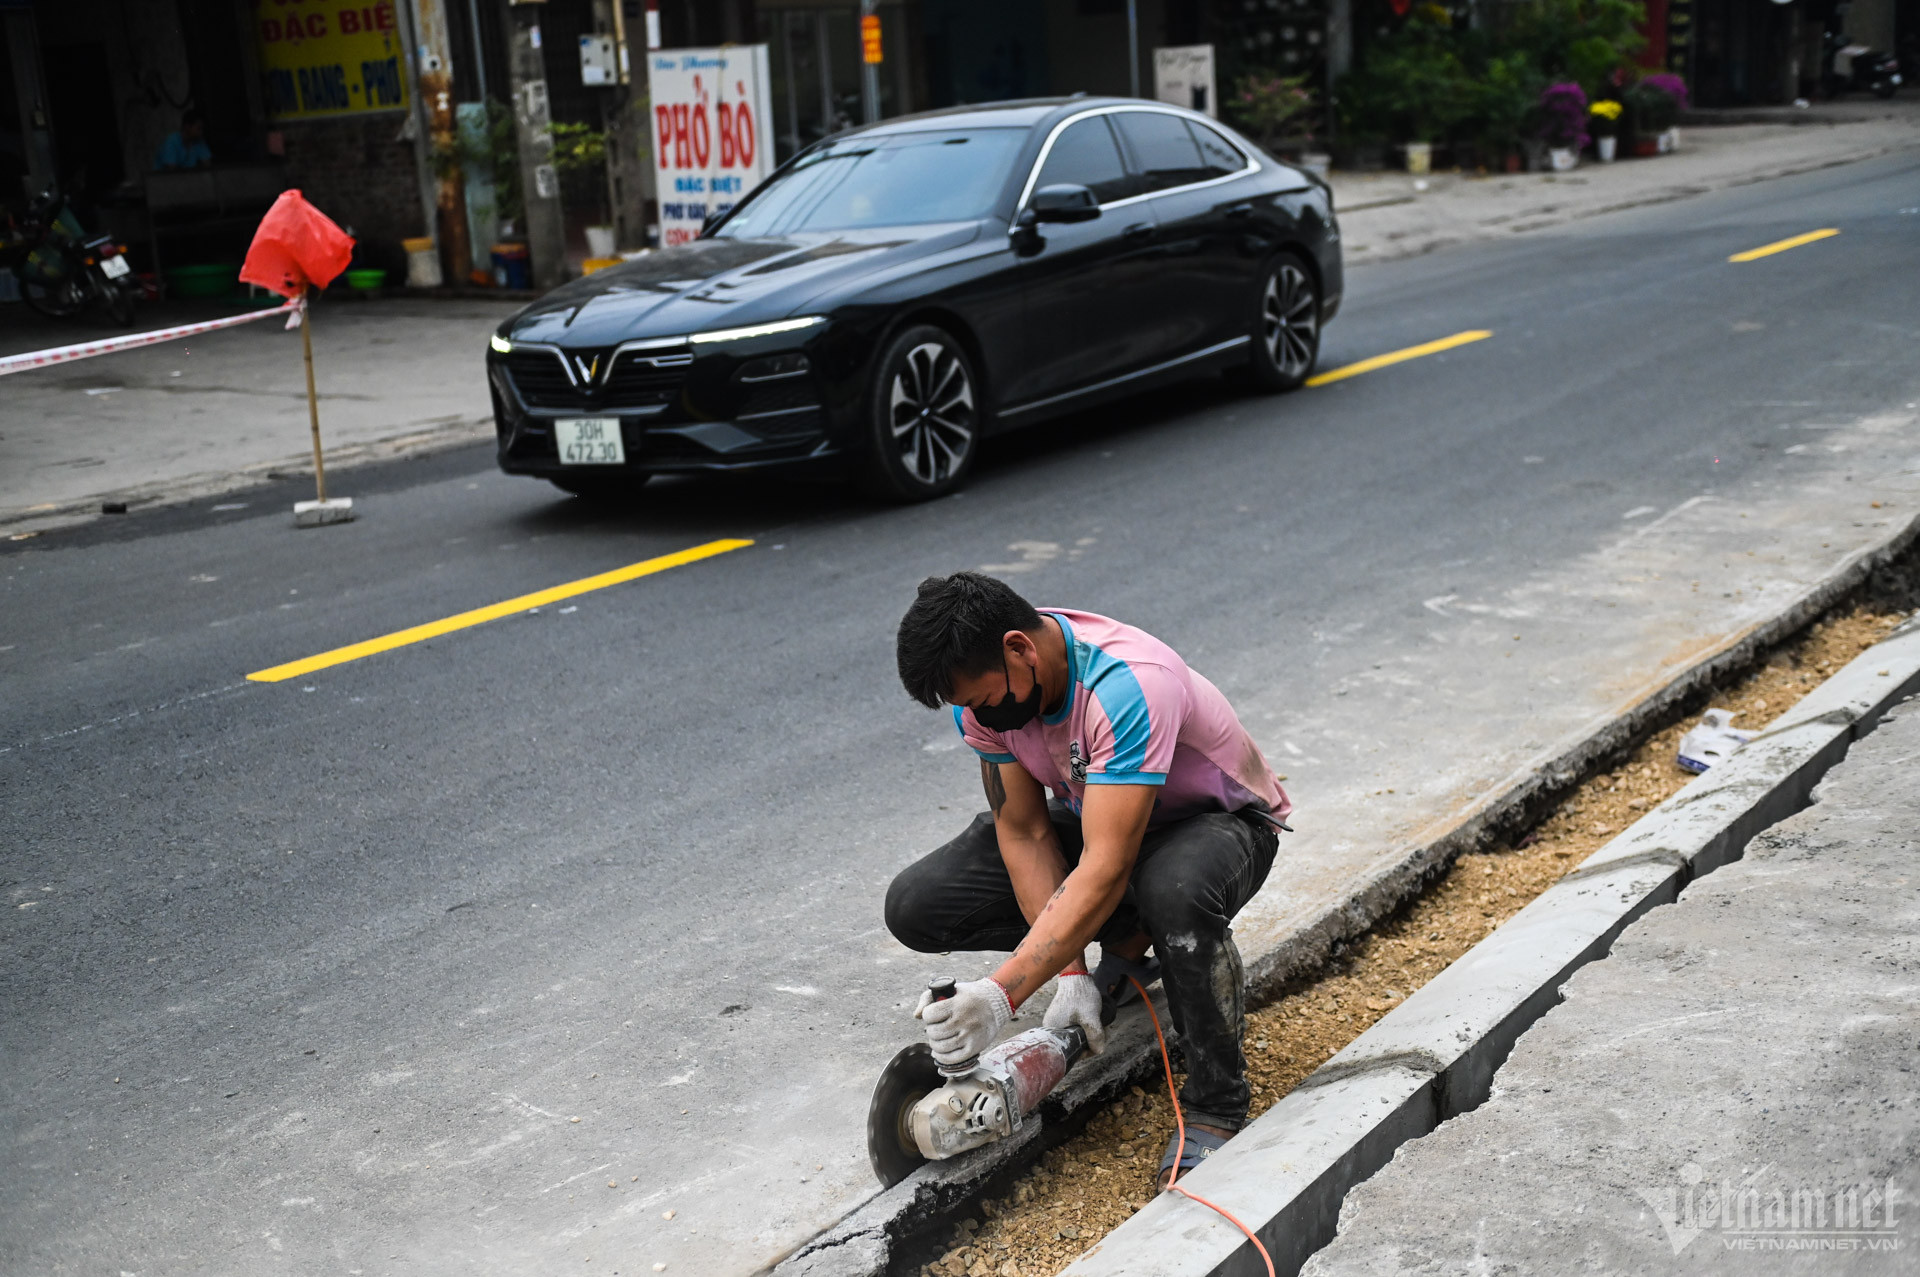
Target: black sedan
{"x": 894, "y": 294}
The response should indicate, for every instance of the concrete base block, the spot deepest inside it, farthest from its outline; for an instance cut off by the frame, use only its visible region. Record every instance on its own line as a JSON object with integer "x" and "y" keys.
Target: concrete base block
{"x": 315, "y": 514}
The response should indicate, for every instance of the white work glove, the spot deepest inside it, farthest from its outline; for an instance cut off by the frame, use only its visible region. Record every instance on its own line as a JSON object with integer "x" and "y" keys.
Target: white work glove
{"x": 1077, "y": 1001}
{"x": 965, "y": 1024}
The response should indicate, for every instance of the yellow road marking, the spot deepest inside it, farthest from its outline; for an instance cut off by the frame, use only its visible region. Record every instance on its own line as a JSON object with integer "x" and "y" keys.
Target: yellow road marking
{"x": 481, "y": 615}
{"x": 1782, "y": 245}
{"x": 1399, "y": 356}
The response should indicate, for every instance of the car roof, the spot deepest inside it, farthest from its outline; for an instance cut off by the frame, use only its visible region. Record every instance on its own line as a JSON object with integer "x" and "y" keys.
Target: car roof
{"x": 1018, "y": 113}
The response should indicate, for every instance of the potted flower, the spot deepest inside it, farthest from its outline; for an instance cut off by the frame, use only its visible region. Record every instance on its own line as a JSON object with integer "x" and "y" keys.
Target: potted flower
{"x": 1676, "y": 90}
{"x": 1563, "y": 123}
{"x": 1273, "y": 109}
{"x": 1653, "y": 108}
{"x": 1603, "y": 121}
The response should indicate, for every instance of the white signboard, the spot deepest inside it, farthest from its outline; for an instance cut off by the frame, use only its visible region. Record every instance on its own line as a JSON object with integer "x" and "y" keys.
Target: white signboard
{"x": 712, "y": 132}
{"x": 1183, "y": 76}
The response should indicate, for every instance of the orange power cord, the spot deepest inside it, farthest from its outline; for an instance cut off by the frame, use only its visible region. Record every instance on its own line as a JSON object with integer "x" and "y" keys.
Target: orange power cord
{"x": 1179, "y": 1148}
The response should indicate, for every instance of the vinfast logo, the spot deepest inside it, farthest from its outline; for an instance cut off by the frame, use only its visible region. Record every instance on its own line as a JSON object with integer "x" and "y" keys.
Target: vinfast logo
{"x": 1763, "y": 1215}
{"x": 588, "y": 367}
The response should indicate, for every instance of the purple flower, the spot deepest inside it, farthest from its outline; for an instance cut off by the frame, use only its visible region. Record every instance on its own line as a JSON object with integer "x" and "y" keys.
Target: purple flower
{"x": 1671, "y": 85}
{"x": 1563, "y": 115}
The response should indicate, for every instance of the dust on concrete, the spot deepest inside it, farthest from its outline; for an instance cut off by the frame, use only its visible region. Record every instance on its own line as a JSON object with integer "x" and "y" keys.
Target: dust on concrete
{"x": 1082, "y": 1190}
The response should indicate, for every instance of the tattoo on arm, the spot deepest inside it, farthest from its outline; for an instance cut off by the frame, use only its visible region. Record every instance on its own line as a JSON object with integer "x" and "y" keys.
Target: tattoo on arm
{"x": 995, "y": 787}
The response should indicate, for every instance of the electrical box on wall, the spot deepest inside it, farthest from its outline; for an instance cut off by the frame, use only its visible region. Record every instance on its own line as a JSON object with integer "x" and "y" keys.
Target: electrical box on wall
{"x": 598, "y": 63}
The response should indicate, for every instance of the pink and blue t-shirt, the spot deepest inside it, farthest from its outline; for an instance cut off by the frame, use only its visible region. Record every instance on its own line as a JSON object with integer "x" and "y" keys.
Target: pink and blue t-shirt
{"x": 1136, "y": 715}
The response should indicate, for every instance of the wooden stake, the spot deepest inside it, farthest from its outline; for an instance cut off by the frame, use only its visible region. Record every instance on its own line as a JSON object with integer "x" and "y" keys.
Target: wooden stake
{"x": 313, "y": 403}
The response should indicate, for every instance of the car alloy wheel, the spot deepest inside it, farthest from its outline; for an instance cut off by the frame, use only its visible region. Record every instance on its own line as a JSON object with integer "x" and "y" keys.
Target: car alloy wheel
{"x": 927, "y": 414}
{"x": 1289, "y": 331}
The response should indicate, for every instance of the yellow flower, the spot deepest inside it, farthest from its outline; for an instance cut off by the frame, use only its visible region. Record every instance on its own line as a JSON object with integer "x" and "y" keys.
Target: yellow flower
{"x": 1606, "y": 110}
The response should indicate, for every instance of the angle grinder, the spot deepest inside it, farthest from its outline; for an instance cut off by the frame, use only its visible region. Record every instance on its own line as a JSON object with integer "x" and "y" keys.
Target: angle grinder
{"x": 922, "y": 1112}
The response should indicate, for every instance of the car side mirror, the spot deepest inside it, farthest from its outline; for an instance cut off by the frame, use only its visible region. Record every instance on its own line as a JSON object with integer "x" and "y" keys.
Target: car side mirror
{"x": 1064, "y": 202}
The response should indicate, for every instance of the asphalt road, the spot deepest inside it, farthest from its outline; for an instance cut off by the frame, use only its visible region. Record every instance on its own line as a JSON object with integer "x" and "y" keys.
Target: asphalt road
{"x": 316, "y": 976}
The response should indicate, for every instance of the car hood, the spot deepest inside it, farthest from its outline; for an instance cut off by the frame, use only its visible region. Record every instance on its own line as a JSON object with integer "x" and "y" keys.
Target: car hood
{"x": 723, "y": 283}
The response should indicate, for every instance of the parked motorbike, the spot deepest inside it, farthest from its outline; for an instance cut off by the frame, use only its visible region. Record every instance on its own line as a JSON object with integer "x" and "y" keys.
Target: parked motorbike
{"x": 1851, "y": 66}
{"x": 64, "y": 272}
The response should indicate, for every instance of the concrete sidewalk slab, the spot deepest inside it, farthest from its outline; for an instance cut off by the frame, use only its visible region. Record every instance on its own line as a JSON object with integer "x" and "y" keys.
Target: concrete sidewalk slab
{"x": 227, "y": 409}
{"x": 1389, "y": 215}
{"x": 1737, "y": 1078}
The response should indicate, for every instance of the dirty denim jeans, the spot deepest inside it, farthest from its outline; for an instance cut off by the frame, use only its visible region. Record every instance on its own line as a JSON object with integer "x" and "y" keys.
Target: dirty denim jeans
{"x": 1191, "y": 878}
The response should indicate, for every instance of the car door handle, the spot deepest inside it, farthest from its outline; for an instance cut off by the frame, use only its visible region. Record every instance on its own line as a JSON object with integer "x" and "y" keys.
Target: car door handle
{"x": 1240, "y": 210}
{"x": 1138, "y": 231}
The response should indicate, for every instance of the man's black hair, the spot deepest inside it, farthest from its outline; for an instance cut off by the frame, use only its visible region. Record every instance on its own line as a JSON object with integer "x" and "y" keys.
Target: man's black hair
{"x": 955, "y": 627}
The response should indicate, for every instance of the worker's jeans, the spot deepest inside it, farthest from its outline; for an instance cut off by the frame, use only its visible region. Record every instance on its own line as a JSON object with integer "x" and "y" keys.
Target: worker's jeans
{"x": 1191, "y": 878}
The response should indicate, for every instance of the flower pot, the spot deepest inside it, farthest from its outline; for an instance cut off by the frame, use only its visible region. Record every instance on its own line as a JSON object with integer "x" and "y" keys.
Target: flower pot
{"x": 1603, "y": 147}
{"x": 1419, "y": 158}
{"x": 1513, "y": 162}
{"x": 1669, "y": 140}
{"x": 600, "y": 241}
{"x": 1561, "y": 159}
{"x": 1316, "y": 162}
{"x": 1644, "y": 144}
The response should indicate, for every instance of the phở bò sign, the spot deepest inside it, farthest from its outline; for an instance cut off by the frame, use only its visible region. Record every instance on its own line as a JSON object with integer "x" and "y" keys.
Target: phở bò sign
{"x": 712, "y": 132}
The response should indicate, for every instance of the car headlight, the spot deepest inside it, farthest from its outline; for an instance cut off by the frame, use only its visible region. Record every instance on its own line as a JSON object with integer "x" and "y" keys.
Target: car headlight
{"x": 759, "y": 330}
{"x": 499, "y": 344}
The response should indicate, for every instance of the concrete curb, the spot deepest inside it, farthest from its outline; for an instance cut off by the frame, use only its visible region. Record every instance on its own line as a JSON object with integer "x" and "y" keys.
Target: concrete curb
{"x": 197, "y": 487}
{"x": 1525, "y": 222}
{"x": 1435, "y": 1055}
{"x": 862, "y": 1243}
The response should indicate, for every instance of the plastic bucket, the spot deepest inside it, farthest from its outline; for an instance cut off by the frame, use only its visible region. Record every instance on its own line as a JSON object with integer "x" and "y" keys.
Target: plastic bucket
{"x": 423, "y": 264}
{"x": 512, "y": 266}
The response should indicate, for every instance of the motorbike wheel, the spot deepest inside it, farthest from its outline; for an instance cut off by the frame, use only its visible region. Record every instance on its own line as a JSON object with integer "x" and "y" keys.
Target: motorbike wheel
{"x": 1883, "y": 88}
{"x": 58, "y": 301}
{"x": 118, "y": 303}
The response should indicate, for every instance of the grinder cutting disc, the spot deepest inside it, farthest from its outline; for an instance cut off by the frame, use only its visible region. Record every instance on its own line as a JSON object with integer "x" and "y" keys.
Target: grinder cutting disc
{"x": 908, "y": 1078}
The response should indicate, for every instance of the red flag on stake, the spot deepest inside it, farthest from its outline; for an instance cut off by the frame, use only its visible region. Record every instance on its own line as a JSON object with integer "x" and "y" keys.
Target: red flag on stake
{"x": 295, "y": 246}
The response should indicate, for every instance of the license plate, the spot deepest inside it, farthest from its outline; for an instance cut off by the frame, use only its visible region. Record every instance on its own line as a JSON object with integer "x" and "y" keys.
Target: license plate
{"x": 589, "y": 441}
{"x": 114, "y": 267}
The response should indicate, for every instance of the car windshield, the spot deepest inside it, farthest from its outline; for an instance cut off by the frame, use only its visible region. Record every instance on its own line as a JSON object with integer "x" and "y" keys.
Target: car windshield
{"x": 895, "y": 179}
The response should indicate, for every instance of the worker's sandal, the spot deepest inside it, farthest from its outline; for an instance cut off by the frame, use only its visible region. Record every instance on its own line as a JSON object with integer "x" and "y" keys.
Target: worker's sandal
{"x": 1200, "y": 1145}
{"x": 1115, "y": 978}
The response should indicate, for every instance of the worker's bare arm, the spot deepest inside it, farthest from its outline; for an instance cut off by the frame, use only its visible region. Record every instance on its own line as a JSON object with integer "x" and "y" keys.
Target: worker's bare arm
{"x": 1028, "y": 844}
{"x": 1112, "y": 820}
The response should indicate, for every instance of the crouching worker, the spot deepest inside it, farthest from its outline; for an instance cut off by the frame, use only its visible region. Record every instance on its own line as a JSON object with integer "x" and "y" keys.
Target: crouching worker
{"x": 1161, "y": 826}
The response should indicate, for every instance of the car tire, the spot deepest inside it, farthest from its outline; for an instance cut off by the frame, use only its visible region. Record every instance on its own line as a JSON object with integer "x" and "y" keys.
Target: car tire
{"x": 599, "y": 489}
{"x": 1286, "y": 325}
{"x": 925, "y": 415}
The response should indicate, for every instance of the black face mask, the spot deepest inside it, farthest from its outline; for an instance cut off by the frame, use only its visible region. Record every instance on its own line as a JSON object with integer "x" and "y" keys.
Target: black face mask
{"x": 1007, "y": 714}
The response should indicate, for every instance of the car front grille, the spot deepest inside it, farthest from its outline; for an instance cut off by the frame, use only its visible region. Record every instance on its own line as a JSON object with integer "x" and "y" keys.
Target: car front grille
{"x": 639, "y": 381}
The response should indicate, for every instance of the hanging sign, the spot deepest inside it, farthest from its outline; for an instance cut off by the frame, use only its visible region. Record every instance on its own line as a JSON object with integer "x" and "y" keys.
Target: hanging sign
{"x": 1183, "y": 75}
{"x": 712, "y": 132}
{"x": 329, "y": 57}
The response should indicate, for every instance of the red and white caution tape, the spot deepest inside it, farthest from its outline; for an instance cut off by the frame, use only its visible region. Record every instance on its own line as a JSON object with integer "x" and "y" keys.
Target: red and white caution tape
{"x": 108, "y": 345}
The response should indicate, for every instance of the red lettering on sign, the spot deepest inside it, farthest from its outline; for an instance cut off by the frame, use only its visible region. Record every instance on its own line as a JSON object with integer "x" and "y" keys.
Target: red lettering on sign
{"x": 743, "y": 135}
{"x": 702, "y": 135}
{"x": 269, "y": 30}
{"x": 349, "y": 22}
{"x": 663, "y": 132}
{"x": 726, "y": 135}
{"x": 383, "y": 17}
